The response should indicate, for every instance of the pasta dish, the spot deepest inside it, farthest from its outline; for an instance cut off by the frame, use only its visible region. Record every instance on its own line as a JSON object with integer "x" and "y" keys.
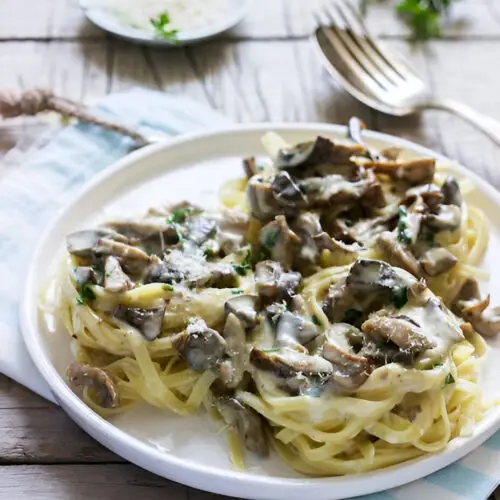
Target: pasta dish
{"x": 329, "y": 308}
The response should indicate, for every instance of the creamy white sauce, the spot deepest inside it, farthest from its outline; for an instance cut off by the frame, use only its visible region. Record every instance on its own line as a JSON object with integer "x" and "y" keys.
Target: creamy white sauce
{"x": 184, "y": 15}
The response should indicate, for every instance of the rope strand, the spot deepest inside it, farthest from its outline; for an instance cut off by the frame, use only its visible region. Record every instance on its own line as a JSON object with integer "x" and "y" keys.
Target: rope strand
{"x": 35, "y": 101}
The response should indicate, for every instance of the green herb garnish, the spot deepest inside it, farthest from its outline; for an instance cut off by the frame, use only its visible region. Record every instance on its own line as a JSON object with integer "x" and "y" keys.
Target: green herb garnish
{"x": 161, "y": 25}
{"x": 237, "y": 291}
{"x": 351, "y": 316}
{"x": 212, "y": 233}
{"x": 270, "y": 350}
{"x": 399, "y": 296}
{"x": 241, "y": 269}
{"x": 450, "y": 379}
{"x": 315, "y": 320}
{"x": 404, "y": 235}
{"x": 179, "y": 215}
{"x": 208, "y": 252}
{"x": 423, "y": 16}
{"x": 85, "y": 294}
{"x": 168, "y": 288}
{"x": 270, "y": 237}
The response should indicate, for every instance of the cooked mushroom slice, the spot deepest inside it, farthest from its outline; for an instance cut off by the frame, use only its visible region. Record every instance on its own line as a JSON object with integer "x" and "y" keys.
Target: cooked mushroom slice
{"x": 286, "y": 191}
{"x": 471, "y": 308}
{"x": 84, "y": 275}
{"x": 201, "y": 347}
{"x": 250, "y": 167}
{"x": 279, "y": 240}
{"x": 86, "y": 243}
{"x": 288, "y": 363}
{"x": 326, "y": 242}
{"x": 399, "y": 330}
{"x": 147, "y": 321}
{"x": 306, "y": 226}
{"x": 244, "y": 307}
{"x": 335, "y": 189}
{"x": 417, "y": 171}
{"x": 437, "y": 261}
{"x": 232, "y": 370}
{"x": 350, "y": 369}
{"x": 372, "y": 275}
{"x": 115, "y": 280}
{"x": 233, "y": 225}
{"x": 397, "y": 254}
{"x": 143, "y": 228}
{"x": 261, "y": 199}
{"x": 319, "y": 151}
{"x": 82, "y": 375}
{"x": 451, "y": 192}
{"x": 247, "y": 422}
{"x": 293, "y": 330}
{"x": 273, "y": 283}
{"x": 448, "y": 218}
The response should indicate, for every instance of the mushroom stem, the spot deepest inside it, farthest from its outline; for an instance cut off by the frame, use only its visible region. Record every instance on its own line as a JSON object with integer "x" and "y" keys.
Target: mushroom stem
{"x": 35, "y": 101}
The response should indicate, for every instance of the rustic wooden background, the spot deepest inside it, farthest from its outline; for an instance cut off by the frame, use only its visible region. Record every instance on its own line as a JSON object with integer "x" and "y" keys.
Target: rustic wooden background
{"x": 263, "y": 70}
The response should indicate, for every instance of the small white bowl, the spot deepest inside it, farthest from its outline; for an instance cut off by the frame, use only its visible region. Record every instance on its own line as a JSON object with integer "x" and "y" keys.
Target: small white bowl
{"x": 110, "y": 23}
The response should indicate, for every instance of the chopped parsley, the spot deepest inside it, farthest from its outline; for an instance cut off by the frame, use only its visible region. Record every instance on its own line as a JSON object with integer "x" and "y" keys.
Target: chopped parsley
{"x": 213, "y": 233}
{"x": 351, "y": 316}
{"x": 270, "y": 237}
{"x": 179, "y": 215}
{"x": 450, "y": 379}
{"x": 168, "y": 288}
{"x": 85, "y": 294}
{"x": 208, "y": 252}
{"x": 399, "y": 296}
{"x": 241, "y": 269}
{"x": 315, "y": 320}
{"x": 237, "y": 291}
{"x": 404, "y": 234}
{"x": 161, "y": 25}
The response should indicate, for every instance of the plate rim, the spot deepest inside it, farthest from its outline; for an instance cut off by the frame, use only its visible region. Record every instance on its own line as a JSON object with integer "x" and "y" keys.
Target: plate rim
{"x": 98, "y": 17}
{"x": 206, "y": 477}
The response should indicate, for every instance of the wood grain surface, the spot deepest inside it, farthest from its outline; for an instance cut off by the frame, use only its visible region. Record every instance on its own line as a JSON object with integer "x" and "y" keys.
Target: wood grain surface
{"x": 264, "y": 70}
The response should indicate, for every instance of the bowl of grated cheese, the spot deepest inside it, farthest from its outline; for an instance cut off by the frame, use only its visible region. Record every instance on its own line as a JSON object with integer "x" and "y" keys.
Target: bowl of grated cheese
{"x": 165, "y": 22}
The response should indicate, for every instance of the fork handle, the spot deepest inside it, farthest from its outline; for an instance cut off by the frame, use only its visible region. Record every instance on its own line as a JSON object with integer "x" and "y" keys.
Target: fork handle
{"x": 484, "y": 123}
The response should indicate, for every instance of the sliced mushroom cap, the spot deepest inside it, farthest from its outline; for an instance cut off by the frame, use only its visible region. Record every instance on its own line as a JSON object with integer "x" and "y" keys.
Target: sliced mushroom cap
{"x": 288, "y": 363}
{"x": 203, "y": 348}
{"x": 247, "y": 422}
{"x": 293, "y": 330}
{"x": 115, "y": 280}
{"x": 261, "y": 199}
{"x": 250, "y": 167}
{"x": 417, "y": 171}
{"x": 148, "y": 322}
{"x": 287, "y": 192}
{"x": 97, "y": 379}
{"x": 86, "y": 242}
{"x": 448, "y": 218}
{"x": 437, "y": 261}
{"x": 84, "y": 275}
{"x": 233, "y": 225}
{"x": 232, "y": 370}
{"x": 451, "y": 192}
{"x": 273, "y": 283}
{"x": 306, "y": 226}
{"x": 279, "y": 240}
{"x": 244, "y": 307}
{"x": 143, "y": 228}
{"x": 319, "y": 151}
{"x": 350, "y": 370}
{"x": 399, "y": 330}
{"x": 325, "y": 242}
{"x": 368, "y": 275}
{"x": 397, "y": 254}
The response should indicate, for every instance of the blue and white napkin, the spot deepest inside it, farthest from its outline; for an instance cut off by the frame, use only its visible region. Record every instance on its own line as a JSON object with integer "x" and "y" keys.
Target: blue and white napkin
{"x": 32, "y": 193}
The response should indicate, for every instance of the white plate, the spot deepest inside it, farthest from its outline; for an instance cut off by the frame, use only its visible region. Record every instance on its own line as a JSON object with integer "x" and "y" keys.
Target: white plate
{"x": 188, "y": 449}
{"x": 110, "y": 23}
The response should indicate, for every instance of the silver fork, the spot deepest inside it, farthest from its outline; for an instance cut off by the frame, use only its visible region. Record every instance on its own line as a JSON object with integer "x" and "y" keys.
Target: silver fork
{"x": 376, "y": 77}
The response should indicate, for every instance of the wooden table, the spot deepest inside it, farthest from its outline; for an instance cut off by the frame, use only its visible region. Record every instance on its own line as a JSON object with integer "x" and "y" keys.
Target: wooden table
{"x": 264, "y": 70}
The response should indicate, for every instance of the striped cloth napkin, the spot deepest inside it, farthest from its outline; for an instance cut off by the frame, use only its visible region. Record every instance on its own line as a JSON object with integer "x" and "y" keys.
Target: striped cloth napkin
{"x": 33, "y": 192}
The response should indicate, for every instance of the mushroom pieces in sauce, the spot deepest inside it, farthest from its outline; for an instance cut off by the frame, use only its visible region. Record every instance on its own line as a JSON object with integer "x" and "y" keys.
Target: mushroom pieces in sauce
{"x": 469, "y": 305}
{"x": 147, "y": 321}
{"x": 97, "y": 379}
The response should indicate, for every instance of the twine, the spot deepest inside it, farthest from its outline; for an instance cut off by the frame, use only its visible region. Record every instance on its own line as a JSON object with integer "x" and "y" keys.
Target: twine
{"x": 35, "y": 101}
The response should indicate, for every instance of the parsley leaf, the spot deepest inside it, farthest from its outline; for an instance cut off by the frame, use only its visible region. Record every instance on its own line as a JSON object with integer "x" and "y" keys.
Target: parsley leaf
{"x": 241, "y": 269}
{"x": 270, "y": 237}
{"x": 399, "y": 296}
{"x": 404, "y": 235}
{"x": 168, "y": 288}
{"x": 450, "y": 379}
{"x": 423, "y": 16}
{"x": 237, "y": 291}
{"x": 179, "y": 215}
{"x": 161, "y": 24}
{"x": 85, "y": 294}
{"x": 315, "y": 320}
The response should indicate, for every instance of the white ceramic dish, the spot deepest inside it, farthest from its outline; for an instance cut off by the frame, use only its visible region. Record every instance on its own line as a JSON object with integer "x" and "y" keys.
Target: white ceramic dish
{"x": 188, "y": 449}
{"x": 110, "y": 23}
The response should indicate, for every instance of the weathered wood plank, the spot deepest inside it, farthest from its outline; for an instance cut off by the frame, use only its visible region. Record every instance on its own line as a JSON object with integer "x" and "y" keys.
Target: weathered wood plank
{"x": 81, "y": 482}
{"x": 46, "y": 19}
